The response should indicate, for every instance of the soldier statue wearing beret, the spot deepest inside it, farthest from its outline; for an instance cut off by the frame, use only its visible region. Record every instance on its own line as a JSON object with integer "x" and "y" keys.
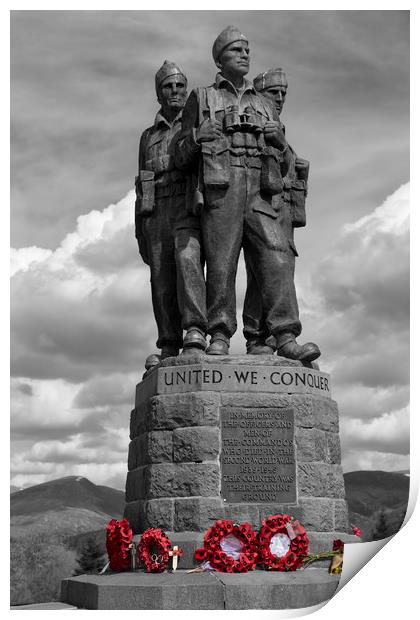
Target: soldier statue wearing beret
{"x": 233, "y": 142}
{"x": 168, "y": 236}
{"x": 273, "y": 85}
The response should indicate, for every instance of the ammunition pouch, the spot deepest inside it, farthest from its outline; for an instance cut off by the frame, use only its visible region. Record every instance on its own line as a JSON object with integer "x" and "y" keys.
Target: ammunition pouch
{"x": 271, "y": 179}
{"x": 194, "y": 199}
{"x": 160, "y": 163}
{"x": 145, "y": 193}
{"x": 216, "y": 169}
{"x": 174, "y": 188}
{"x": 298, "y": 193}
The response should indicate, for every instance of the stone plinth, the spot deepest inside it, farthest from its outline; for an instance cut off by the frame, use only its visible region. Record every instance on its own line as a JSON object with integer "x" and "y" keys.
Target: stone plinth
{"x": 238, "y": 437}
{"x": 180, "y": 590}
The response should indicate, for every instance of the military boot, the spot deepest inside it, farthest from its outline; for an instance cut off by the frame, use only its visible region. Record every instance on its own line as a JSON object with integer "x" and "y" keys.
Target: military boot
{"x": 219, "y": 344}
{"x": 152, "y": 360}
{"x": 194, "y": 339}
{"x": 288, "y": 347}
{"x": 169, "y": 351}
{"x": 259, "y": 347}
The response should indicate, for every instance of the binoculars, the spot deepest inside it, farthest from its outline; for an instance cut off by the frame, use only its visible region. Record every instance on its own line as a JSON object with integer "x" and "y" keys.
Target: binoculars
{"x": 249, "y": 121}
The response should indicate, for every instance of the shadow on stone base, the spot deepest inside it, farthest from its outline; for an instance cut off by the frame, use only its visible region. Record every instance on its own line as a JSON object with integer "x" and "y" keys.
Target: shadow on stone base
{"x": 181, "y": 590}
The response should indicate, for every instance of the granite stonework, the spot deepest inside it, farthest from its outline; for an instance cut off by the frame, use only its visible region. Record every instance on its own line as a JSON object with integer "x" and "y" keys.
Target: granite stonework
{"x": 182, "y": 590}
{"x": 238, "y": 437}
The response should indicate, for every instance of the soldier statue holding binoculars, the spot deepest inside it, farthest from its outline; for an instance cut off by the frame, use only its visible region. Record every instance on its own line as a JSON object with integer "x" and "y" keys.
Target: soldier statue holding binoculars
{"x": 233, "y": 144}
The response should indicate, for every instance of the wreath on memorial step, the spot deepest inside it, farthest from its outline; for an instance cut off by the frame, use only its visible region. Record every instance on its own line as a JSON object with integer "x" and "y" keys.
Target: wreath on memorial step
{"x": 229, "y": 547}
{"x": 119, "y": 536}
{"x": 154, "y": 550}
{"x": 283, "y": 543}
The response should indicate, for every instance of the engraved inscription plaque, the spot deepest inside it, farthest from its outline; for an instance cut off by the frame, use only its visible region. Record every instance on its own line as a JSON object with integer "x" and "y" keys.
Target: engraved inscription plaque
{"x": 258, "y": 455}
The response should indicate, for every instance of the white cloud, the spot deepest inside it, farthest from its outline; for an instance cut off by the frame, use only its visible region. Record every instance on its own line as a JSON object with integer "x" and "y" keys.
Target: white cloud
{"x": 359, "y": 460}
{"x": 389, "y": 432}
{"x": 81, "y": 310}
{"x": 22, "y": 259}
{"x": 391, "y": 217}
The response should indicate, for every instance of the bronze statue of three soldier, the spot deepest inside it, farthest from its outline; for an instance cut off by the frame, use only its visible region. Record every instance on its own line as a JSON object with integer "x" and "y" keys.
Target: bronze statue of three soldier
{"x": 216, "y": 175}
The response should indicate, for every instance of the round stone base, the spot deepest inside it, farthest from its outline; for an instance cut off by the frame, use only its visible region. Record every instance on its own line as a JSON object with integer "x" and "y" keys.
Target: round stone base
{"x": 210, "y": 590}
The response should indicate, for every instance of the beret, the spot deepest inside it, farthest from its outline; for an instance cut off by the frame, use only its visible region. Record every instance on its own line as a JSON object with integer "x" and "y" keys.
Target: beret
{"x": 167, "y": 69}
{"x": 272, "y": 77}
{"x": 229, "y": 35}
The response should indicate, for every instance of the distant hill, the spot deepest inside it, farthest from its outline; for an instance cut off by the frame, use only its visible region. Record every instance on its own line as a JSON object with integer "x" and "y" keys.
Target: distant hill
{"x": 66, "y": 506}
{"x": 14, "y": 489}
{"x": 370, "y": 491}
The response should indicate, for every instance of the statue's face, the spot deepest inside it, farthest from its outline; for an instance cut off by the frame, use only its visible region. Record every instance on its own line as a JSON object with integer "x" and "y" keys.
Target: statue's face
{"x": 234, "y": 59}
{"x": 277, "y": 95}
{"x": 173, "y": 93}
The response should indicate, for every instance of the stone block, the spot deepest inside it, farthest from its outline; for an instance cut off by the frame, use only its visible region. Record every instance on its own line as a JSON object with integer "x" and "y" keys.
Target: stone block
{"x": 196, "y": 444}
{"x": 241, "y": 513}
{"x": 182, "y": 480}
{"x": 333, "y": 448}
{"x": 135, "y": 513}
{"x": 151, "y": 447}
{"x": 302, "y": 406}
{"x": 137, "y": 452}
{"x": 179, "y": 410}
{"x": 189, "y": 542}
{"x": 267, "y": 399}
{"x": 80, "y": 592}
{"x": 159, "y": 446}
{"x": 314, "y": 513}
{"x": 341, "y": 516}
{"x": 267, "y": 510}
{"x": 278, "y": 590}
{"x": 135, "y": 484}
{"x": 323, "y": 541}
{"x": 146, "y": 389}
{"x": 159, "y": 513}
{"x": 139, "y": 590}
{"x": 325, "y": 412}
{"x": 138, "y": 420}
{"x": 311, "y": 445}
{"x": 197, "y": 513}
{"x": 320, "y": 480}
{"x": 315, "y": 412}
{"x": 334, "y": 483}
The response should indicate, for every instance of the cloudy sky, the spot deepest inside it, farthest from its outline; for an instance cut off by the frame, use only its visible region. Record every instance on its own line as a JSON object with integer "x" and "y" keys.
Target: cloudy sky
{"x": 82, "y": 90}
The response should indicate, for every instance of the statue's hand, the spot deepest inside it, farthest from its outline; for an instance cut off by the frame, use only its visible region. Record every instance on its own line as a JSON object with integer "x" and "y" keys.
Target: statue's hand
{"x": 209, "y": 130}
{"x": 274, "y": 135}
{"x": 302, "y": 168}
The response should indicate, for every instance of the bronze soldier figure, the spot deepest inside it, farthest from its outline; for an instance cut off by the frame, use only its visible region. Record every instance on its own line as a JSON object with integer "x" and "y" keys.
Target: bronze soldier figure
{"x": 168, "y": 236}
{"x": 232, "y": 139}
{"x": 273, "y": 85}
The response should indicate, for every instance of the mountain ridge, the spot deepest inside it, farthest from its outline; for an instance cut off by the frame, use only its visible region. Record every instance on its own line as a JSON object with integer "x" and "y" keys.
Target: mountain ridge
{"x": 64, "y": 506}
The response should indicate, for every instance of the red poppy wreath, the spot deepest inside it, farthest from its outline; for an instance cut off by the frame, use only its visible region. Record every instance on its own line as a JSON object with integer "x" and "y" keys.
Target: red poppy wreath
{"x": 153, "y": 550}
{"x": 229, "y": 547}
{"x": 283, "y": 543}
{"x": 118, "y": 541}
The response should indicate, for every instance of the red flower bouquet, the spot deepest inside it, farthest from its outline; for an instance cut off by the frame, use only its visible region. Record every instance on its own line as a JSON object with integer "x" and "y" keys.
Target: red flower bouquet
{"x": 118, "y": 540}
{"x": 229, "y": 547}
{"x": 283, "y": 543}
{"x": 153, "y": 550}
